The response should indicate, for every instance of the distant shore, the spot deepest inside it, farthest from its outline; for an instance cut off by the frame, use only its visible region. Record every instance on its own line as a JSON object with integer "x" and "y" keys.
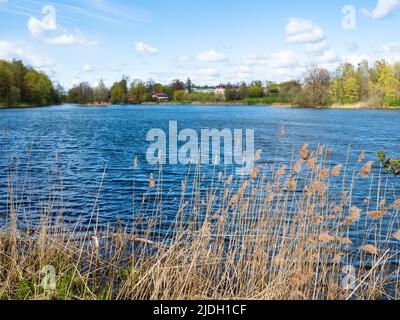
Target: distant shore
{"x": 225, "y": 103}
{"x": 275, "y": 105}
{"x": 21, "y": 106}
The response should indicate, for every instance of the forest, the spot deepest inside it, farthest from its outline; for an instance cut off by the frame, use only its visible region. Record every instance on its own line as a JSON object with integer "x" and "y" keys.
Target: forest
{"x": 21, "y": 85}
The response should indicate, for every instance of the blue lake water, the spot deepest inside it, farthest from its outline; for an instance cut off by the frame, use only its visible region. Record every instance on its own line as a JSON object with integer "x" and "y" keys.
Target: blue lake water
{"x": 80, "y": 142}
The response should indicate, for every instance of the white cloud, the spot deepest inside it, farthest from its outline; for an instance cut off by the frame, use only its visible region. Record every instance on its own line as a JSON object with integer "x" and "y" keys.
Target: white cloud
{"x": 71, "y": 38}
{"x": 145, "y": 48}
{"x": 392, "y": 47}
{"x": 87, "y": 68}
{"x": 183, "y": 59}
{"x": 38, "y": 27}
{"x": 390, "y": 52}
{"x": 279, "y": 66}
{"x": 208, "y": 73}
{"x": 254, "y": 60}
{"x": 283, "y": 59}
{"x": 355, "y": 59}
{"x": 316, "y": 47}
{"x": 241, "y": 73}
{"x": 211, "y": 56}
{"x": 242, "y": 69}
{"x": 328, "y": 57}
{"x": 49, "y": 32}
{"x": 9, "y": 50}
{"x": 299, "y": 30}
{"x": 384, "y": 8}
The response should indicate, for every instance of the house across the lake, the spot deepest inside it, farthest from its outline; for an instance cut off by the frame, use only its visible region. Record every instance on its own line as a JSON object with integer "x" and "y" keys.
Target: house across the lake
{"x": 203, "y": 89}
{"x": 160, "y": 97}
{"x": 218, "y": 90}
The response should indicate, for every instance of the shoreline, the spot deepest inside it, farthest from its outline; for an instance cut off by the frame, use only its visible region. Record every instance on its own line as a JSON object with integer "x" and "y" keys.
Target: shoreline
{"x": 357, "y": 106}
{"x": 23, "y": 106}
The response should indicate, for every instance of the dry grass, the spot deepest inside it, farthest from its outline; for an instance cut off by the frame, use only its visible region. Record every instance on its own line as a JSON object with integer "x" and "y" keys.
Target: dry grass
{"x": 285, "y": 233}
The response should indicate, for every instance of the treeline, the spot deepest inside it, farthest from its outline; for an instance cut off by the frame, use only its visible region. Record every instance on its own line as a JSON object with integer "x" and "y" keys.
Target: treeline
{"x": 376, "y": 86}
{"x": 22, "y": 85}
{"x": 122, "y": 92}
{"x": 139, "y": 92}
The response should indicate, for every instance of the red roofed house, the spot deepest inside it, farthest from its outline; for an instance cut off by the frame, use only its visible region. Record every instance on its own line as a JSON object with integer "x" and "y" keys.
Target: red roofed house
{"x": 160, "y": 97}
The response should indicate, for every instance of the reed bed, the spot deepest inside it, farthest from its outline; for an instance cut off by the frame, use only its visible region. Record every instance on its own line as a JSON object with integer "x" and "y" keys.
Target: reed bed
{"x": 283, "y": 233}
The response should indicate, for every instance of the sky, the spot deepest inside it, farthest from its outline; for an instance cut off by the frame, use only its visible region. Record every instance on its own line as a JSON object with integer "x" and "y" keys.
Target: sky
{"x": 209, "y": 41}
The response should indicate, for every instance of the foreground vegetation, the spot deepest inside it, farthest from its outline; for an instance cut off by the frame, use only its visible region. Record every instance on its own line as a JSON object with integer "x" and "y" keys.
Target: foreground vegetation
{"x": 282, "y": 233}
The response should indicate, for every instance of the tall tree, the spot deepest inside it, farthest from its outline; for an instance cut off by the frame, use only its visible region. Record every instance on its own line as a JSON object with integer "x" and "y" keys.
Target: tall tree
{"x": 117, "y": 94}
{"x": 316, "y": 87}
{"x": 101, "y": 93}
{"x": 189, "y": 86}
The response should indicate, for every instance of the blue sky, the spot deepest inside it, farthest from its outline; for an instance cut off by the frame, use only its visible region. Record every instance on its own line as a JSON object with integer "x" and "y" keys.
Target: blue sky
{"x": 210, "y": 41}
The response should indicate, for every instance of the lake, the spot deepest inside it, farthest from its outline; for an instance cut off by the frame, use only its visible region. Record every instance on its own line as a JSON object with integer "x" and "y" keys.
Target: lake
{"x": 79, "y": 144}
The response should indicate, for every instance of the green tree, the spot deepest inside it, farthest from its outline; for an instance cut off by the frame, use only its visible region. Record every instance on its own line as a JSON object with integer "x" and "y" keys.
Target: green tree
{"x": 230, "y": 93}
{"x": 117, "y": 94}
{"x": 139, "y": 92}
{"x": 5, "y": 81}
{"x": 101, "y": 93}
{"x": 363, "y": 76}
{"x": 255, "y": 92}
{"x": 290, "y": 91}
{"x": 82, "y": 94}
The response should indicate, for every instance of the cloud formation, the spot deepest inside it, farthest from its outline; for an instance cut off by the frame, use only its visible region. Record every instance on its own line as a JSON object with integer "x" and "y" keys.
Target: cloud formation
{"x": 9, "y": 50}
{"x": 208, "y": 73}
{"x": 87, "y": 68}
{"x": 328, "y": 57}
{"x": 48, "y": 31}
{"x": 299, "y": 30}
{"x": 211, "y": 56}
{"x": 384, "y": 8}
{"x": 391, "y": 52}
{"x": 145, "y": 48}
{"x": 317, "y": 47}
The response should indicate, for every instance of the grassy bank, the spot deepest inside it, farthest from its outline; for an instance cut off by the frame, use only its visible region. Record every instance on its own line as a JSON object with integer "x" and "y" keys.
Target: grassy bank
{"x": 281, "y": 233}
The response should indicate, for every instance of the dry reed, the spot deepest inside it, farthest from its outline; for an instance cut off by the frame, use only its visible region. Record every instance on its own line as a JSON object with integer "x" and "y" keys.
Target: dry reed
{"x": 255, "y": 238}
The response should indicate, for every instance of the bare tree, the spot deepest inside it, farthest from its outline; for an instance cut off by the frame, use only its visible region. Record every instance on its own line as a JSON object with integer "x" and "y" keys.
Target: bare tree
{"x": 316, "y": 87}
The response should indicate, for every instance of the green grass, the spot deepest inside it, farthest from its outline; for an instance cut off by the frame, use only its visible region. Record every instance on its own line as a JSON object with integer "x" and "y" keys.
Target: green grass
{"x": 273, "y": 98}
